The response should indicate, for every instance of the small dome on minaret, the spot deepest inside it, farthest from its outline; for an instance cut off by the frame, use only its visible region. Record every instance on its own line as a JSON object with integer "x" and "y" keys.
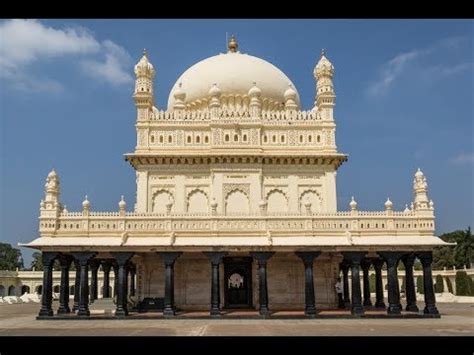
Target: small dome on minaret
{"x": 179, "y": 93}
{"x": 388, "y": 204}
{"x": 86, "y": 204}
{"x": 255, "y": 91}
{"x": 144, "y": 67}
{"x": 214, "y": 91}
{"x": 122, "y": 203}
{"x": 324, "y": 66}
{"x": 353, "y": 204}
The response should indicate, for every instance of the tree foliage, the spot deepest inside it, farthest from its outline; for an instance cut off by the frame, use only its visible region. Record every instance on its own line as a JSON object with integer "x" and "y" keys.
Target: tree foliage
{"x": 460, "y": 255}
{"x": 464, "y": 284}
{"x": 439, "y": 286}
{"x": 419, "y": 285}
{"x": 9, "y": 257}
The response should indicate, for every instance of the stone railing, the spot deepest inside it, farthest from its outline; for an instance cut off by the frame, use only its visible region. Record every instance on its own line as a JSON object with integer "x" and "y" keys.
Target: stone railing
{"x": 340, "y": 223}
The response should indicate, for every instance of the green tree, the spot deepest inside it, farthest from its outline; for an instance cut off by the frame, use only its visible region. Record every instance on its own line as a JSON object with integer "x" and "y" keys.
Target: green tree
{"x": 460, "y": 255}
{"x": 419, "y": 285}
{"x": 37, "y": 262}
{"x": 464, "y": 248}
{"x": 464, "y": 284}
{"x": 10, "y": 258}
{"x": 439, "y": 287}
{"x": 450, "y": 285}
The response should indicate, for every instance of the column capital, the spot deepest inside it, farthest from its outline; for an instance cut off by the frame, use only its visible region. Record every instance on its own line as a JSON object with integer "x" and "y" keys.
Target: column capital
{"x": 122, "y": 258}
{"x": 354, "y": 256}
{"x": 65, "y": 260}
{"x": 48, "y": 257}
{"x": 365, "y": 264}
{"x": 94, "y": 264}
{"x": 378, "y": 263}
{"x": 262, "y": 257}
{"x": 84, "y": 257}
{"x": 426, "y": 257}
{"x": 391, "y": 257}
{"x": 106, "y": 265}
{"x": 307, "y": 256}
{"x": 215, "y": 257}
{"x": 169, "y": 257}
{"x": 408, "y": 259}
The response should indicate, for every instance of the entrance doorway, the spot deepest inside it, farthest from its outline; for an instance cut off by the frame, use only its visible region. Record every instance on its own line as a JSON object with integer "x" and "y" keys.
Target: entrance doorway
{"x": 238, "y": 282}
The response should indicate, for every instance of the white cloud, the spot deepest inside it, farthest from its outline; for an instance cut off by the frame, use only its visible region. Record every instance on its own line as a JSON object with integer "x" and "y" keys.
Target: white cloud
{"x": 464, "y": 158}
{"x": 392, "y": 69}
{"x": 25, "y": 42}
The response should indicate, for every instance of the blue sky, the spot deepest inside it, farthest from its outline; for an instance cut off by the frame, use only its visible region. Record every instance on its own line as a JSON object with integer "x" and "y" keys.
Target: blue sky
{"x": 404, "y": 100}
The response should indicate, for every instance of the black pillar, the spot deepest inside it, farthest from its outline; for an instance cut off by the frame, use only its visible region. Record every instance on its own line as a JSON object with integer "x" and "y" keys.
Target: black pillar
{"x": 94, "y": 264}
{"x": 365, "y": 265}
{"x": 77, "y": 285}
{"x": 64, "y": 263}
{"x": 106, "y": 269}
{"x": 378, "y": 264}
{"x": 169, "y": 260}
{"x": 122, "y": 260}
{"x": 426, "y": 259}
{"x": 310, "y": 303}
{"x": 116, "y": 278}
{"x": 410, "y": 292}
{"x": 216, "y": 259}
{"x": 133, "y": 271}
{"x": 345, "y": 279}
{"x": 47, "y": 291}
{"x": 355, "y": 259}
{"x": 83, "y": 259}
{"x": 392, "y": 258}
{"x": 262, "y": 258}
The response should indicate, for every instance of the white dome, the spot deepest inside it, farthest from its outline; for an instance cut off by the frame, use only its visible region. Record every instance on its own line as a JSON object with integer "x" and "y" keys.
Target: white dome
{"x": 234, "y": 73}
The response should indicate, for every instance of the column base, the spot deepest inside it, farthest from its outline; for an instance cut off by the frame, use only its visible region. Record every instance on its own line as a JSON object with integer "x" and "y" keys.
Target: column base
{"x": 215, "y": 312}
{"x": 45, "y": 313}
{"x": 265, "y": 312}
{"x": 64, "y": 310}
{"x": 169, "y": 312}
{"x": 380, "y": 305}
{"x": 75, "y": 308}
{"x": 84, "y": 312}
{"x": 412, "y": 308}
{"x": 394, "y": 309}
{"x": 431, "y": 309}
{"x": 357, "y": 310}
{"x": 368, "y": 303}
{"x": 310, "y": 311}
{"x": 121, "y": 313}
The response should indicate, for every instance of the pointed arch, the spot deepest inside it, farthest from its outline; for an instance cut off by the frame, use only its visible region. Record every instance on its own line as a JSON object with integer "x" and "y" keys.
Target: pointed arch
{"x": 237, "y": 202}
{"x": 160, "y": 199}
{"x": 197, "y": 201}
{"x": 312, "y": 196}
{"x": 277, "y": 201}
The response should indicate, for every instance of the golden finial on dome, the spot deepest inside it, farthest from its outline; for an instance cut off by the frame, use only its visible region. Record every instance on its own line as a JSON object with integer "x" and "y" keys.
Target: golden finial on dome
{"x": 233, "y": 45}
{"x": 144, "y": 52}
{"x": 323, "y": 52}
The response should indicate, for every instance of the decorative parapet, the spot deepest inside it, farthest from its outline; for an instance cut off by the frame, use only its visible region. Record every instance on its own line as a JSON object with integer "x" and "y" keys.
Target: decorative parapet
{"x": 331, "y": 224}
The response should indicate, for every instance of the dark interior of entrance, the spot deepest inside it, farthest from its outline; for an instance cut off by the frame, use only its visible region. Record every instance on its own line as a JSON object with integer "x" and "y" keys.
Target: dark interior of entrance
{"x": 238, "y": 282}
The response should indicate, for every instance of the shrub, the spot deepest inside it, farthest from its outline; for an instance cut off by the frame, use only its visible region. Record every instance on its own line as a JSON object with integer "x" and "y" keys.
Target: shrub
{"x": 439, "y": 287}
{"x": 419, "y": 285}
{"x": 464, "y": 284}
{"x": 450, "y": 285}
{"x": 372, "y": 283}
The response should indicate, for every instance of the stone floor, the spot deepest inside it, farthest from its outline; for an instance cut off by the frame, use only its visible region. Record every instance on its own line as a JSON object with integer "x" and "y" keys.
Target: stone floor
{"x": 456, "y": 319}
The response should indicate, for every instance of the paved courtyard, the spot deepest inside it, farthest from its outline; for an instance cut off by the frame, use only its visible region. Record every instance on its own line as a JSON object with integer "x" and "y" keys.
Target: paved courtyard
{"x": 19, "y": 319}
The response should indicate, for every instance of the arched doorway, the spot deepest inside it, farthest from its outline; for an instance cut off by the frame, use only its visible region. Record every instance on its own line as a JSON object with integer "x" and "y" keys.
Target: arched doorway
{"x": 39, "y": 289}
{"x": 25, "y": 289}
{"x": 56, "y": 289}
{"x": 12, "y": 291}
{"x": 71, "y": 290}
{"x": 2, "y": 291}
{"x": 238, "y": 282}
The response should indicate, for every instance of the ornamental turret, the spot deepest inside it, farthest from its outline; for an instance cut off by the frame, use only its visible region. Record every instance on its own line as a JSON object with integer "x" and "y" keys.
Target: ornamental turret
{"x": 325, "y": 95}
{"x": 420, "y": 192}
{"x": 51, "y": 191}
{"x": 255, "y": 101}
{"x": 143, "y": 95}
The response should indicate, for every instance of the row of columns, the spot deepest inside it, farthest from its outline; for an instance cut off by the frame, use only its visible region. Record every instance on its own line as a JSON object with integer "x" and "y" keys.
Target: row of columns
{"x": 122, "y": 266}
{"x": 357, "y": 260}
{"x": 83, "y": 294}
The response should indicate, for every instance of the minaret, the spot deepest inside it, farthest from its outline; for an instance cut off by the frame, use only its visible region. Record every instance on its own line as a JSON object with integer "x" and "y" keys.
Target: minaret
{"x": 420, "y": 192}
{"x": 325, "y": 95}
{"x": 50, "y": 206}
{"x": 143, "y": 95}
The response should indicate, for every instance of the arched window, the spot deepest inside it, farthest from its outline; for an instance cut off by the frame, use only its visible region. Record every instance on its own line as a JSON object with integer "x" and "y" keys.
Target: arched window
{"x": 265, "y": 139}
{"x": 198, "y": 139}
{"x": 188, "y": 139}
{"x": 12, "y": 291}
{"x": 318, "y": 138}
{"x": 274, "y": 139}
{"x": 237, "y": 202}
{"x": 310, "y": 138}
{"x": 197, "y": 202}
{"x": 282, "y": 139}
{"x": 277, "y": 202}
{"x": 161, "y": 200}
{"x": 206, "y": 139}
{"x": 152, "y": 138}
{"x": 244, "y": 138}
{"x": 227, "y": 138}
{"x": 170, "y": 139}
{"x": 301, "y": 138}
{"x": 161, "y": 139}
{"x": 236, "y": 138}
{"x": 25, "y": 289}
{"x": 2, "y": 291}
